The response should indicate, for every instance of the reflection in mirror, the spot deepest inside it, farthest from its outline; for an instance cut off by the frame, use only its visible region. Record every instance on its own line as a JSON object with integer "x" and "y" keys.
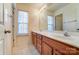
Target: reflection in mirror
{"x": 59, "y": 22}
{"x": 50, "y": 23}
{"x": 60, "y": 17}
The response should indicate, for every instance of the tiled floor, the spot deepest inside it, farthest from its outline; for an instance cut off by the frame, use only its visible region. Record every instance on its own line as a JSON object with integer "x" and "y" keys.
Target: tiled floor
{"x": 24, "y": 47}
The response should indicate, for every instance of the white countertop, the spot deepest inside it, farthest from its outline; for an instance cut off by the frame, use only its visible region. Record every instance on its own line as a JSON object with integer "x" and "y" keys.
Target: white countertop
{"x": 59, "y": 35}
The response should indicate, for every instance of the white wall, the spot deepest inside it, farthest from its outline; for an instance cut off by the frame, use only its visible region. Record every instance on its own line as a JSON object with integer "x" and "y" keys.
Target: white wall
{"x": 26, "y": 8}
{"x": 1, "y": 13}
{"x": 69, "y": 16}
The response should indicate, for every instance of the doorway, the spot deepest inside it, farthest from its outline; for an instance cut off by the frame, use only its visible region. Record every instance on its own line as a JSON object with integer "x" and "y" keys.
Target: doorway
{"x": 59, "y": 22}
{"x": 8, "y": 24}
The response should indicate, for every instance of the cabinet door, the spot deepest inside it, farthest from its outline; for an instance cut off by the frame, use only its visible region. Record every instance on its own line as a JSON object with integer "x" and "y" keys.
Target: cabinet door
{"x": 38, "y": 43}
{"x": 39, "y": 37}
{"x": 46, "y": 49}
{"x": 34, "y": 38}
{"x": 39, "y": 48}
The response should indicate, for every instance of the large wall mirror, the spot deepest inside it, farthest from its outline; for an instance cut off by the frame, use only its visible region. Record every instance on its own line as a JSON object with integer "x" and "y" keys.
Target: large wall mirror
{"x": 65, "y": 17}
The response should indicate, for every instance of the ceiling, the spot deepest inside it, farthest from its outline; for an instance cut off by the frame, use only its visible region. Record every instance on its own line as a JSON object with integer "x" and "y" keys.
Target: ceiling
{"x": 33, "y": 5}
{"x": 50, "y": 6}
{"x": 55, "y": 6}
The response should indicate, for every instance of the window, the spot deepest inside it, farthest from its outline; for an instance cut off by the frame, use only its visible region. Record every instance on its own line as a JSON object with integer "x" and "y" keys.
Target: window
{"x": 22, "y": 22}
{"x": 50, "y": 23}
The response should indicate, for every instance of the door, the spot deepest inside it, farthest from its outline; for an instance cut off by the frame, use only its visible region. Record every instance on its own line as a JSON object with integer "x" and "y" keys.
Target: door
{"x": 1, "y": 29}
{"x": 1, "y": 38}
{"x": 8, "y": 41}
{"x": 59, "y": 22}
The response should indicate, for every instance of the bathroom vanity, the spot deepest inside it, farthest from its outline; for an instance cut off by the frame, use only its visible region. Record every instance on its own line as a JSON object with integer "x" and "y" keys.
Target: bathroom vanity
{"x": 54, "y": 44}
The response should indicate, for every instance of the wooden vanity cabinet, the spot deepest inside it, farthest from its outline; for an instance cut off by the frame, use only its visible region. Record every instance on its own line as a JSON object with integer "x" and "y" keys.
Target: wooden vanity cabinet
{"x": 34, "y": 38}
{"x": 50, "y": 46}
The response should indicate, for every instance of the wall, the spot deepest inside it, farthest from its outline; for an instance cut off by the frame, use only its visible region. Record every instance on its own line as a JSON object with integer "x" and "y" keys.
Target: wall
{"x": 1, "y": 13}
{"x": 35, "y": 20}
{"x": 27, "y": 9}
{"x": 40, "y": 19}
{"x": 43, "y": 20}
{"x": 69, "y": 17}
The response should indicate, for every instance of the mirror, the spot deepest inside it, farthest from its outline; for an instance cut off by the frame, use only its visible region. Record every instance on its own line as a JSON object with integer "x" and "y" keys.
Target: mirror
{"x": 65, "y": 17}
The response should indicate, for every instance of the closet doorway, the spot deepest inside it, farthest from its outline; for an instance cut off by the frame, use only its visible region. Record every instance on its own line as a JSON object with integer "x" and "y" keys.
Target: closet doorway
{"x": 59, "y": 22}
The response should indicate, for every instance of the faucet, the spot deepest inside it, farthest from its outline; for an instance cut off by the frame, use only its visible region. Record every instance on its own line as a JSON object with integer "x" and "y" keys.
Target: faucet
{"x": 66, "y": 34}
